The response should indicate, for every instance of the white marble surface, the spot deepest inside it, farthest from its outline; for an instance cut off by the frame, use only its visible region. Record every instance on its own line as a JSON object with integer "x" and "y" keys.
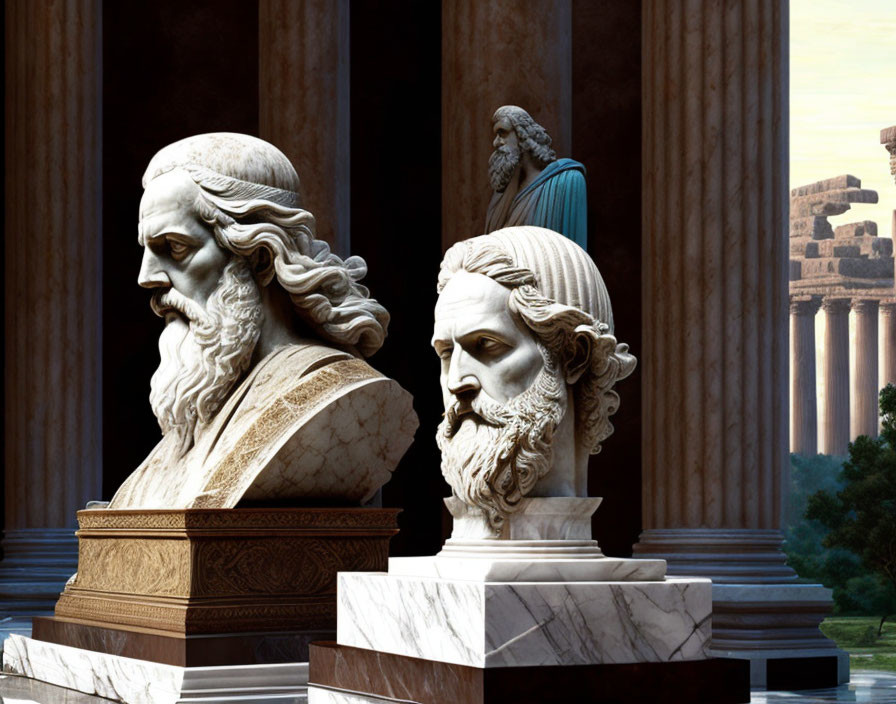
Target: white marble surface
{"x": 503, "y": 569}
{"x": 535, "y": 518}
{"x": 143, "y": 682}
{"x": 504, "y": 625}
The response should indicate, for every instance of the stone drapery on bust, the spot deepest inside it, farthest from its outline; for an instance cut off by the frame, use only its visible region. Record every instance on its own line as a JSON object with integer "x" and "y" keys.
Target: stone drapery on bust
{"x": 262, "y": 392}
{"x": 524, "y": 329}
{"x": 532, "y": 186}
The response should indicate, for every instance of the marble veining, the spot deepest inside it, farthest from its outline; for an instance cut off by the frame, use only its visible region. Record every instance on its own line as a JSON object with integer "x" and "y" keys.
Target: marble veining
{"x": 121, "y": 679}
{"x": 515, "y": 624}
{"x": 144, "y": 682}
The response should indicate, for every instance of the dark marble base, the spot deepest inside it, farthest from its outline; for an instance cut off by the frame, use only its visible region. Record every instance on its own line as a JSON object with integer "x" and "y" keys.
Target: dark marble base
{"x": 713, "y": 681}
{"x": 182, "y": 650}
{"x": 801, "y": 673}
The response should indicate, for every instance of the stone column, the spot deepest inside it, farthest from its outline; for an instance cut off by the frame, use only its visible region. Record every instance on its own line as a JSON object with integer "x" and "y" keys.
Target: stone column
{"x": 303, "y": 98}
{"x": 53, "y": 256}
{"x": 715, "y": 344}
{"x": 888, "y": 332}
{"x": 835, "y": 425}
{"x": 888, "y": 139}
{"x": 804, "y": 423}
{"x": 866, "y": 388}
{"x": 494, "y": 53}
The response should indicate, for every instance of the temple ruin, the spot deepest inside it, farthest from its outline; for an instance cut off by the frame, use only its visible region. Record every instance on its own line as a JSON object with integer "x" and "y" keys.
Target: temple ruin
{"x": 838, "y": 269}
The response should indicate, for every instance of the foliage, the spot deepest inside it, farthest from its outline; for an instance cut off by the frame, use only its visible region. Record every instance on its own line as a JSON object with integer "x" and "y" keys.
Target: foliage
{"x": 861, "y": 515}
{"x": 804, "y": 546}
{"x": 858, "y": 636}
{"x": 868, "y": 638}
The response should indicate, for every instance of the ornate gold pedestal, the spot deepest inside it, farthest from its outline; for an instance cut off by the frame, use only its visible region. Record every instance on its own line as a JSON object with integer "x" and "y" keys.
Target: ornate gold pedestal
{"x": 213, "y": 586}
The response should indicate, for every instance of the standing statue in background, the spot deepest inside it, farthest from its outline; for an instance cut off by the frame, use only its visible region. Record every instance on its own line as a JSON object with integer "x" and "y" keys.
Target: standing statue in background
{"x": 262, "y": 392}
{"x": 532, "y": 186}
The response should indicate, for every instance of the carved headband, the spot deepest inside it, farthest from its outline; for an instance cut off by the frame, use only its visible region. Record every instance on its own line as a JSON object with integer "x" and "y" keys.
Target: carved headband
{"x": 237, "y": 189}
{"x": 234, "y": 188}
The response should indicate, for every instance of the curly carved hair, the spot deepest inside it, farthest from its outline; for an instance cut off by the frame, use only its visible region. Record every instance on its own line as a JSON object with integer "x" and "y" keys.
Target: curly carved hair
{"x": 249, "y": 196}
{"x": 558, "y": 328}
{"x": 532, "y": 137}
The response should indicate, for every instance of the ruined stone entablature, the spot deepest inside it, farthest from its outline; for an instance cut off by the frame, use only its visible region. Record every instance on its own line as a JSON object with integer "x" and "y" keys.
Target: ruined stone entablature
{"x": 843, "y": 260}
{"x": 888, "y": 139}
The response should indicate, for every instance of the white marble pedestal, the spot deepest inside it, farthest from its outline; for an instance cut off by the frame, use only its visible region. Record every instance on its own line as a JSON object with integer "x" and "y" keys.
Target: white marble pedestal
{"x": 431, "y": 639}
{"x": 143, "y": 682}
{"x": 511, "y": 624}
{"x": 533, "y": 614}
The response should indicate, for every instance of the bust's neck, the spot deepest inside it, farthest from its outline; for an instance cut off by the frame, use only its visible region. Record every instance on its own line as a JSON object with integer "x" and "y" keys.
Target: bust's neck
{"x": 277, "y": 325}
{"x": 568, "y": 475}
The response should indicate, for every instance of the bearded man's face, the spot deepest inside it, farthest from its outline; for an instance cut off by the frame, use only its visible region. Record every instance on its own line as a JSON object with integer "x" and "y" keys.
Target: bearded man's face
{"x": 210, "y": 302}
{"x": 504, "y": 396}
{"x": 506, "y": 157}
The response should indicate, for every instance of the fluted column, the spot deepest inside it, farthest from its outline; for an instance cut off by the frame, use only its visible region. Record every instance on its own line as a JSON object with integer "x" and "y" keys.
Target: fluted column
{"x": 804, "y": 414}
{"x": 715, "y": 343}
{"x": 715, "y": 282}
{"x": 866, "y": 389}
{"x": 835, "y": 425}
{"x": 494, "y": 53}
{"x": 888, "y": 332}
{"x": 53, "y": 256}
{"x": 303, "y": 98}
{"x": 887, "y": 307}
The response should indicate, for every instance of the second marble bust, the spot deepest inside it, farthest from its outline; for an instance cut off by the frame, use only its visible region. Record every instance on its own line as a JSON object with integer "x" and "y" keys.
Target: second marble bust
{"x": 262, "y": 392}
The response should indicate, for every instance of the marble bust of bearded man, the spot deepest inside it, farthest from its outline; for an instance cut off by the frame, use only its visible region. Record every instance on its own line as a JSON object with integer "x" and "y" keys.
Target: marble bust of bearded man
{"x": 524, "y": 330}
{"x": 262, "y": 392}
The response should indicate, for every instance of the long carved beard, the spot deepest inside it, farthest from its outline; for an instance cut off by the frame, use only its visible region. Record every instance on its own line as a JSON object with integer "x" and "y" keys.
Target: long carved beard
{"x": 501, "y": 165}
{"x": 202, "y": 359}
{"x": 494, "y": 458}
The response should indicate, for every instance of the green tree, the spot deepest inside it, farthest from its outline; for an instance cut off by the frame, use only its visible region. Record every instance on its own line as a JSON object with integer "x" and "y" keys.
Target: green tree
{"x": 861, "y": 516}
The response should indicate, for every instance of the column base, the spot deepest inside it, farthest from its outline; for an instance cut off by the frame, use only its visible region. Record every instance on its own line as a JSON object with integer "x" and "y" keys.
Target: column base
{"x": 344, "y": 675}
{"x": 761, "y": 614}
{"x": 775, "y": 627}
{"x": 37, "y": 562}
{"x": 725, "y": 555}
{"x": 792, "y": 670}
{"x": 143, "y": 682}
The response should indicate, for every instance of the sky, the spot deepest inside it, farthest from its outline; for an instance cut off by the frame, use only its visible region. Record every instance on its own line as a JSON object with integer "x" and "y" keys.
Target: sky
{"x": 842, "y": 94}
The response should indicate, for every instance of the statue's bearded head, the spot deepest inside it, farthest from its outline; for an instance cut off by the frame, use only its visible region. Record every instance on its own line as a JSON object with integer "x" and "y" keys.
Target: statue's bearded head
{"x": 225, "y": 239}
{"x": 516, "y": 135}
{"x": 523, "y": 327}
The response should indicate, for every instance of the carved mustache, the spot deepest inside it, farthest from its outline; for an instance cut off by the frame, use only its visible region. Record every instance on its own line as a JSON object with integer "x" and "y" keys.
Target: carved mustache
{"x": 169, "y": 300}
{"x": 481, "y": 405}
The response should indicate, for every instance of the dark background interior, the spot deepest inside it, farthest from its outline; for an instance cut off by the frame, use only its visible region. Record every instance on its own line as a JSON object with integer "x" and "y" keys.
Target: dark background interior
{"x": 174, "y": 68}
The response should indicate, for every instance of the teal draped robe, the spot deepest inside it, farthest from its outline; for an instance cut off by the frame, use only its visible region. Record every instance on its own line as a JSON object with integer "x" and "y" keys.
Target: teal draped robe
{"x": 556, "y": 199}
